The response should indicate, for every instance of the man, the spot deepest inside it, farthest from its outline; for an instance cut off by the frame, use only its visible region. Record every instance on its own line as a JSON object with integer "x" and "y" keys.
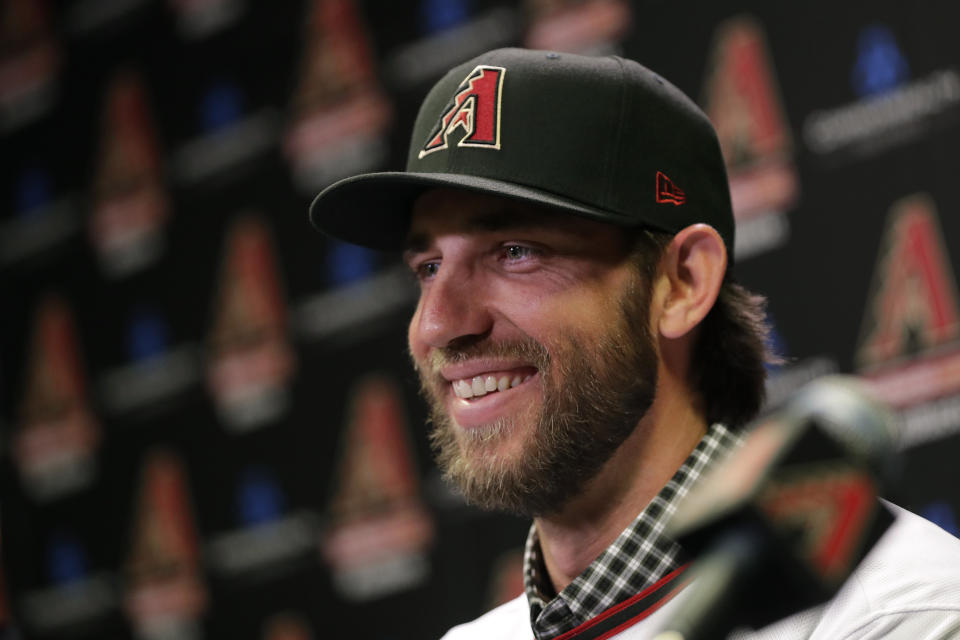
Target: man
{"x": 583, "y": 347}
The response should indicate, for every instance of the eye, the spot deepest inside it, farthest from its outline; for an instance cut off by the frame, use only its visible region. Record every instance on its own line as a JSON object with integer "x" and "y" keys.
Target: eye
{"x": 516, "y": 252}
{"x": 426, "y": 270}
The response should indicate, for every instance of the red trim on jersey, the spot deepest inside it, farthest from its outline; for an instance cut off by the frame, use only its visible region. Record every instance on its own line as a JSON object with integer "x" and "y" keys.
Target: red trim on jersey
{"x": 633, "y": 600}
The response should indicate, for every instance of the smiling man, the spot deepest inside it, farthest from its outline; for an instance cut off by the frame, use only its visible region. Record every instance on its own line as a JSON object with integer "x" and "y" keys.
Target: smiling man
{"x": 532, "y": 343}
{"x": 579, "y": 337}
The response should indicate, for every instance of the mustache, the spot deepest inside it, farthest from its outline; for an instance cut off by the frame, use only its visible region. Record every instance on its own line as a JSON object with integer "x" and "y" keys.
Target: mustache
{"x": 470, "y": 347}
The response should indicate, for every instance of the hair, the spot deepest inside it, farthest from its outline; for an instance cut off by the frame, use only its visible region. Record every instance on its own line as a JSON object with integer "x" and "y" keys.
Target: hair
{"x": 729, "y": 358}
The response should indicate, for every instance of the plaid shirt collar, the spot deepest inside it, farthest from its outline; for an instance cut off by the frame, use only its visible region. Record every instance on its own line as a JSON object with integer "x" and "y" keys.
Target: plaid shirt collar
{"x": 637, "y": 559}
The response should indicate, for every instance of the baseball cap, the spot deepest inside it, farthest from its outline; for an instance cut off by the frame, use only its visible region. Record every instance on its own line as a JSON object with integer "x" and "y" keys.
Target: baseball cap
{"x": 600, "y": 137}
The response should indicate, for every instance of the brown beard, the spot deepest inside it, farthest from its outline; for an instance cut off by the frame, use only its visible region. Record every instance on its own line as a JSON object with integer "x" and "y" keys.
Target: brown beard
{"x": 593, "y": 398}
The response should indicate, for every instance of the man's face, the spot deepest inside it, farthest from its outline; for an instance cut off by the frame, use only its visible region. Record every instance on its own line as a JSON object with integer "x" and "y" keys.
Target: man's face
{"x": 533, "y": 346}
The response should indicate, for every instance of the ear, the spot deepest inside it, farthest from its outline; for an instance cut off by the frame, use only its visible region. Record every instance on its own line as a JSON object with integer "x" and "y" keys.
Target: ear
{"x": 692, "y": 269}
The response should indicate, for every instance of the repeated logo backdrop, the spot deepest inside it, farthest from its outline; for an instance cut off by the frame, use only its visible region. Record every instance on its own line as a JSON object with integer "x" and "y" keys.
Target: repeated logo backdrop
{"x": 209, "y": 425}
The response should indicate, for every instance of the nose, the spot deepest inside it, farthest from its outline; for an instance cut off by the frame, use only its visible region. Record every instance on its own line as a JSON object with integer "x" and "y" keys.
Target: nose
{"x": 452, "y": 307}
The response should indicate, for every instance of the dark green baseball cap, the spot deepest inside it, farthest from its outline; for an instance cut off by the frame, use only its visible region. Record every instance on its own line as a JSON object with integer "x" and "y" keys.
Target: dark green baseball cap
{"x": 600, "y": 137}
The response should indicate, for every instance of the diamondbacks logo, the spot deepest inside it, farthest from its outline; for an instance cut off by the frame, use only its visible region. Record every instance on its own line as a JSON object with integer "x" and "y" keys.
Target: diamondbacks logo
{"x": 909, "y": 347}
{"x": 379, "y": 529}
{"x": 165, "y": 594}
{"x": 340, "y": 114}
{"x": 913, "y": 307}
{"x": 250, "y": 357}
{"x": 742, "y": 101}
{"x": 741, "y": 98}
{"x": 58, "y": 434}
{"x": 829, "y": 510}
{"x": 475, "y": 108}
{"x": 130, "y": 199}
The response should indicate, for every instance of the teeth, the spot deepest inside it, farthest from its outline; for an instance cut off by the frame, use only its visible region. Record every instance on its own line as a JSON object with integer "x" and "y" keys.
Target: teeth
{"x": 479, "y": 389}
{"x": 482, "y": 385}
{"x": 463, "y": 389}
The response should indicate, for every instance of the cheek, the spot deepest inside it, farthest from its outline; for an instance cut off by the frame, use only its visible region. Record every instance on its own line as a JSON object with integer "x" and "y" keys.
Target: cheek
{"x": 575, "y": 309}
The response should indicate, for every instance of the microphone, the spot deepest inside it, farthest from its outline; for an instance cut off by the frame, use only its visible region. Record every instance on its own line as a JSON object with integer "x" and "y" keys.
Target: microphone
{"x": 781, "y": 524}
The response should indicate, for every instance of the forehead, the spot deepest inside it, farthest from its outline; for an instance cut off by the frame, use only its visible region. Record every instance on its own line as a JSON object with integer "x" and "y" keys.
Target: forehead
{"x": 445, "y": 211}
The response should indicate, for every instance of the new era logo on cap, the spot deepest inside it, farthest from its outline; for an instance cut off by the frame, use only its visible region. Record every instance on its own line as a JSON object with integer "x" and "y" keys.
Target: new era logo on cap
{"x": 669, "y": 192}
{"x": 475, "y": 107}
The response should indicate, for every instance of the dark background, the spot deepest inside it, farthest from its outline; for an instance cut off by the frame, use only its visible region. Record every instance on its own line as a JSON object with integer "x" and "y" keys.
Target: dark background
{"x": 127, "y": 477}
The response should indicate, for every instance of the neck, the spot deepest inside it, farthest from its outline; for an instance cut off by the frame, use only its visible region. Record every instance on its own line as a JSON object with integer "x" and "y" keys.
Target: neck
{"x": 573, "y": 537}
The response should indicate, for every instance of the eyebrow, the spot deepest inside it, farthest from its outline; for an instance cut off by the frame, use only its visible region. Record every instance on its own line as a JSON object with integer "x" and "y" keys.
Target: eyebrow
{"x": 499, "y": 220}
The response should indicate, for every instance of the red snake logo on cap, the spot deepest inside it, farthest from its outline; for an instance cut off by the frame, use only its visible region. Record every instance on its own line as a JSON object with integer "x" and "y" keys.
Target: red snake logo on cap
{"x": 476, "y": 108}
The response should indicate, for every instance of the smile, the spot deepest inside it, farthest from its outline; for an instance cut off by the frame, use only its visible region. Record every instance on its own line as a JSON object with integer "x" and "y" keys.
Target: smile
{"x": 481, "y": 385}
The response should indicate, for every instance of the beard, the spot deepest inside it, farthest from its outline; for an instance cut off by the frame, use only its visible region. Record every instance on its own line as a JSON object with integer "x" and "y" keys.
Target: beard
{"x": 594, "y": 393}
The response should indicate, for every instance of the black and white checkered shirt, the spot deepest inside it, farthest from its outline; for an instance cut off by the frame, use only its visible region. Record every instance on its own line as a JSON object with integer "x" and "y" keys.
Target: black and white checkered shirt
{"x": 637, "y": 559}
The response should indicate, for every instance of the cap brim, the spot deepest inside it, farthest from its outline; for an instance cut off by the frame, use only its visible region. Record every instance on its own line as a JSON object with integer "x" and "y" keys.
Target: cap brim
{"x": 373, "y": 210}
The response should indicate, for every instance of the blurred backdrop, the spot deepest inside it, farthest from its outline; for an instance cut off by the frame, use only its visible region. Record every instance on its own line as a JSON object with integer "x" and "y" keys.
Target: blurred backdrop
{"x": 209, "y": 426}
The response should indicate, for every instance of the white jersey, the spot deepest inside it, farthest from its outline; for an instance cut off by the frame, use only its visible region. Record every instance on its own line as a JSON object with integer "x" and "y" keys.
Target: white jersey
{"x": 906, "y": 588}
